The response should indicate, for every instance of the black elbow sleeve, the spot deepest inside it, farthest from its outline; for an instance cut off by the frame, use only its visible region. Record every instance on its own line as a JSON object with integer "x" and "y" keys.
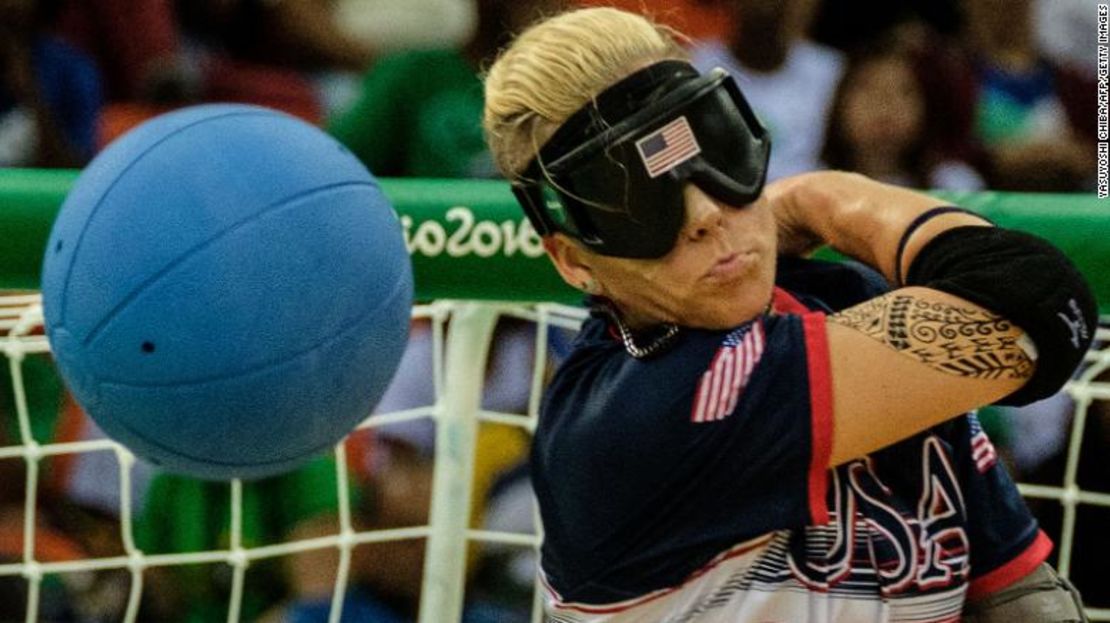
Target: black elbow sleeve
{"x": 1024, "y": 279}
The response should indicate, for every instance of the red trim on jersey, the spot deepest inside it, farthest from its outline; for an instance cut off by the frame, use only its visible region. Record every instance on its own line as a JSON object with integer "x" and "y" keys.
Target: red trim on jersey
{"x": 613, "y": 333}
{"x": 1019, "y": 566}
{"x": 735, "y": 551}
{"x": 784, "y": 302}
{"x": 820, "y": 413}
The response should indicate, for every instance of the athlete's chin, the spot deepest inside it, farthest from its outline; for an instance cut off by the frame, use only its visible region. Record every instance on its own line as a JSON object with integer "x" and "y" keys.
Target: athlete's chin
{"x": 727, "y": 308}
{"x": 728, "y": 319}
{"x": 719, "y": 301}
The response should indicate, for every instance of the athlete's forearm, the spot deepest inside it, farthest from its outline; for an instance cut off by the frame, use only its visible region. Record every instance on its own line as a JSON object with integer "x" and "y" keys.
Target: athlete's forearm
{"x": 860, "y": 217}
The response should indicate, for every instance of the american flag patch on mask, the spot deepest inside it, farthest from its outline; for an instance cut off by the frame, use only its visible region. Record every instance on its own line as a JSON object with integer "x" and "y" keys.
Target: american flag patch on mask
{"x": 668, "y": 147}
{"x": 721, "y": 385}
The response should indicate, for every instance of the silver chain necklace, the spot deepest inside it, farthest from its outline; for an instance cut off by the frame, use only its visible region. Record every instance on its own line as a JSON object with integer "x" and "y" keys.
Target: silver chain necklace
{"x": 664, "y": 338}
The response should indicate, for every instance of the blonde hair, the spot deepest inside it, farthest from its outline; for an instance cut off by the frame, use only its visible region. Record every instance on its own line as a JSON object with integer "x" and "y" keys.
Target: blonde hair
{"x": 558, "y": 65}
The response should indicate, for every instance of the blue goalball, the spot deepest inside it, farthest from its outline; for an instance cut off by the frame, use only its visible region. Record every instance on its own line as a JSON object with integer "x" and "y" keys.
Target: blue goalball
{"x": 227, "y": 291}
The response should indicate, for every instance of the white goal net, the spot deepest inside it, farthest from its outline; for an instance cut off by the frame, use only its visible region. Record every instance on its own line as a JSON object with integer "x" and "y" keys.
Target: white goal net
{"x": 36, "y": 562}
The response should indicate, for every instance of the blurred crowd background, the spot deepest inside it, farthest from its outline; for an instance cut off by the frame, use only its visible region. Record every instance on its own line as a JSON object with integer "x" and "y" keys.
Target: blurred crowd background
{"x": 958, "y": 95}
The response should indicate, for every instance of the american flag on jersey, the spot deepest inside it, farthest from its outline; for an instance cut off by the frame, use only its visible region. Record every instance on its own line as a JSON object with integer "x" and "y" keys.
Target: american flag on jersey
{"x": 720, "y": 387}
{"x": 668, "y": 147}
{"x": 982, "y": 450}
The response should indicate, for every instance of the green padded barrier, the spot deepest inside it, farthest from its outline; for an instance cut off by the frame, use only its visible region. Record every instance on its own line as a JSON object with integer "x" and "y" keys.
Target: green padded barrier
{"x": 29, "y": 199}
{"x": 469, "y": 240}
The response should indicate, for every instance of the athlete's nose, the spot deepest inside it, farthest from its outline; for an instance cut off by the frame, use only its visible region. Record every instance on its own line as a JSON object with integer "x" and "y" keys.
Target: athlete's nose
{"x": 703, "y": 213}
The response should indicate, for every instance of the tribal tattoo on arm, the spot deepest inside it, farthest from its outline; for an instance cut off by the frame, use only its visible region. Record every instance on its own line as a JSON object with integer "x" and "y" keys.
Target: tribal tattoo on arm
{"x": 963, "y": 341}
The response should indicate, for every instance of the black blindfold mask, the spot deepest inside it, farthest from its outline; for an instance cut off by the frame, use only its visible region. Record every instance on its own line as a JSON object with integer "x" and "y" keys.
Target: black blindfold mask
{"x": 613, "y": 175}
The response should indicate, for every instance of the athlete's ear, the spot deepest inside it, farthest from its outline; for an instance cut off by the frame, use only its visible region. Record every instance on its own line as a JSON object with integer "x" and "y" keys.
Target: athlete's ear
{"x": 571, "y": 260}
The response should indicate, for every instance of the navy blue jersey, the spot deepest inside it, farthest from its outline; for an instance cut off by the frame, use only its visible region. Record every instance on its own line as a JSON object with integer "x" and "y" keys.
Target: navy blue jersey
{"x": 692, "y": 486}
